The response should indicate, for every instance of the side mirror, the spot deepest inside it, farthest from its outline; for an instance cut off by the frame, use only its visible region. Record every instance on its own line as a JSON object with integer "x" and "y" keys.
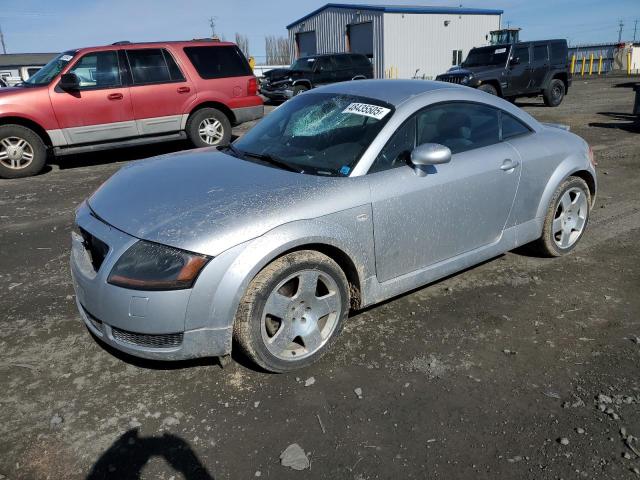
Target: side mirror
{"x": 430, "y": 154}
{"x": 69, "y": 81}
{"x": 514, "y": 61}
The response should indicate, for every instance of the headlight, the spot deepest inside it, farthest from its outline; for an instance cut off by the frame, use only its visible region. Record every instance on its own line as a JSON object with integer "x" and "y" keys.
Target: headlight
{"x": 150, "y": 266}
{"x": 467, "y": 78}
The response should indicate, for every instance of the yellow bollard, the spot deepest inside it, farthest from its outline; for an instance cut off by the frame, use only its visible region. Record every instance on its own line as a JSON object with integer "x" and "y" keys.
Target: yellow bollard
{"x": 573, "y": 63}
{"x": 591, "y": 64}
{"x": 600, "y": 65}
{"x": 584, "y": 62}
{"x": 628, "y": 63}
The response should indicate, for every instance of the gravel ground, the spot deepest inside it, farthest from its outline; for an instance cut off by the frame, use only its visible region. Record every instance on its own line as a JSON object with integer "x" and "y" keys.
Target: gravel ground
{"x": 519, "y": 368}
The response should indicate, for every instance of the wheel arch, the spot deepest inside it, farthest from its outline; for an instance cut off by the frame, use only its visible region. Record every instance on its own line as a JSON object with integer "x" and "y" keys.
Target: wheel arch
{"x": 303, "y": 81}
{"x": 559, "y": 176}
{"x": 218, "y": 106}
{"x": 563, "y": 77}
{"x": 30, "y": 124}
{"x": 494, "y": 83}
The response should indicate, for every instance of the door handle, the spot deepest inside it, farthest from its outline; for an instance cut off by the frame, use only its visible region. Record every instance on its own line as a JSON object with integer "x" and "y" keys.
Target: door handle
{"x": 509, "y": 165}
{"x": 183, "y": 90}
{"x": 115, "y": 96}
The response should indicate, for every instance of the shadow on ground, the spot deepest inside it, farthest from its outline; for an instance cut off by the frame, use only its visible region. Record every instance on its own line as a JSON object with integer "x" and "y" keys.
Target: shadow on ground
{"x": 624, "y": 121}
{"x": 127, "y": 456}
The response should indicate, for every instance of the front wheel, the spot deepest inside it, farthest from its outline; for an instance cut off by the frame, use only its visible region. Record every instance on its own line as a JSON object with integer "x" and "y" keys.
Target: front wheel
{"x": 209, "y": 127}
{"x": 22, "y": 152}
{"x": 293, "y": 311}
{"x": 298, "y": 89}
{"x": 554, "y": 94}
{"x": 566, "y": 219}
{"x": 487, "y": 87}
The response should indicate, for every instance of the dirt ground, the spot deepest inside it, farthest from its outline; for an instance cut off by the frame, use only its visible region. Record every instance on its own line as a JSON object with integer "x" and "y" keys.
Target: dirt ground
{"x": 522, "y": 367}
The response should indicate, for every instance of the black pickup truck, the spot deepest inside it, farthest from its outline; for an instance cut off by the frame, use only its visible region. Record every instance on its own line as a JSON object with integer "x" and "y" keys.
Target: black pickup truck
{"x": 523, "y": 69}
{"x": 309, "y": 72}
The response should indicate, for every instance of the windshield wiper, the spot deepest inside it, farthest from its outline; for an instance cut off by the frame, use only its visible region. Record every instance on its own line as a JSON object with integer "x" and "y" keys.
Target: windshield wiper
{"x": 271, "y": 160}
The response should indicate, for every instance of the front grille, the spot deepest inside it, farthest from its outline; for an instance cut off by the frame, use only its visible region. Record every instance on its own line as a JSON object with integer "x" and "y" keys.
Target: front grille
{"x": 96, "y": 248}
{"x": 165, "y": 340}
{"x": 450, "y": 78}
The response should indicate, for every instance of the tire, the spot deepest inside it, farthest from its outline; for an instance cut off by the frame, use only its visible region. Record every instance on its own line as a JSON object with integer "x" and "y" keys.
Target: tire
{"x": 215, "y": 126}
{"x": 274, "y": 325}
{"x": 558, "y": 224}
{"x": 22, "y": 152}
{"x": 298, "y": 89}
{"x": 554, "y": 94}
{"x": 487, "y": 87}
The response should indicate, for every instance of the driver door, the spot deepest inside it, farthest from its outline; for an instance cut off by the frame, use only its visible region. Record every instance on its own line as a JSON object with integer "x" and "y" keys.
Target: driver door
{"x": 453, "y": 209}
{"x": 100, "y": 109}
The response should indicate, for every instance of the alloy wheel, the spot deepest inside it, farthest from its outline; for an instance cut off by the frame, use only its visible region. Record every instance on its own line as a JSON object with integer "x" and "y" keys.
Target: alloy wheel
{"x": 570, "y": 218}
{"x": 301, "y": 314}
{"x": 15, "y": 153}
{"x": 211, "y": 131}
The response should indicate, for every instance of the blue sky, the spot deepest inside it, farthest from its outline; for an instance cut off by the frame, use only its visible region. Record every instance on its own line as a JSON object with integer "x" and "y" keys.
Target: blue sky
{"x": 52, "y": 26}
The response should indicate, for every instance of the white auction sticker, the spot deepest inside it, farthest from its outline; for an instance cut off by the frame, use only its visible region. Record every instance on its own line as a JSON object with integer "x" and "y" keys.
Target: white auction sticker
{"x": 500, "y": 50}
{"x": 66, "y": 58}
{"x": 373, "y": 111}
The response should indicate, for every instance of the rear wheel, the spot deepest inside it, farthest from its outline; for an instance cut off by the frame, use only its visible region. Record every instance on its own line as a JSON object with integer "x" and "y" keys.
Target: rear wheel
{"x": 566, "y": 219}
{"x": 209, "y": 127}
{"x": 487, "y": 87}
{"x": 293, "y": 311}
{"x": 22, "y": 152}
{"x": 554, "y": 94}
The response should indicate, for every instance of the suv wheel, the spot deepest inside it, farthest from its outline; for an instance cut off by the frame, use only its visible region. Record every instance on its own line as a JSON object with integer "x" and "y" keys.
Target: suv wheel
{"x": 298, "y": 89}
{"x": 22, "y": 152}
{"x": 554, "y": 94}
{"x": 209, "y": 127}
{"x": 293, "y": 311}
{"x": 486, "y": 87}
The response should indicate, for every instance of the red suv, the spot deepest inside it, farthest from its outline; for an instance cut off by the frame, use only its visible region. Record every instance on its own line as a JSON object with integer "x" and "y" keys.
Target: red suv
{"x": 126, "y": 94}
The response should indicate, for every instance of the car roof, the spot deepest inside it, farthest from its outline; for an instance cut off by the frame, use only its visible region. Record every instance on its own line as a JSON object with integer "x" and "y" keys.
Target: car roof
{"x": 342, "y": 54}
{"x": 159, "y": 44}
{"x": 393, "y": 92}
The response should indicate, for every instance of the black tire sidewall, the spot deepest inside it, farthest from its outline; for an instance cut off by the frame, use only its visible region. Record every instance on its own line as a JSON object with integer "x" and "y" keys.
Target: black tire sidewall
{"x": 488, "y": 88}
{"x": 197, "y": 117}
{"x": 548, "y": 94}
{"x": 548, "y": 236}
{"x": 298, "y": 89}
{"x": 39, "y": 151}
{"x": 263, "y": 357}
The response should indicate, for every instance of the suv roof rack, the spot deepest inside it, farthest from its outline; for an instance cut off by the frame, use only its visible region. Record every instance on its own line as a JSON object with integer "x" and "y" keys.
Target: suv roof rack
{"x": 121, "y": 42}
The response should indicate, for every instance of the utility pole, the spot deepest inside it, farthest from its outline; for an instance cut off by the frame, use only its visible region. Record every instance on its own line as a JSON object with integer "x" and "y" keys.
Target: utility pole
{"x": 635, "y": 28}
{"x": 620, "y": 32}
{"x": 4, "y": 48}
{"x": 212, "y": 24}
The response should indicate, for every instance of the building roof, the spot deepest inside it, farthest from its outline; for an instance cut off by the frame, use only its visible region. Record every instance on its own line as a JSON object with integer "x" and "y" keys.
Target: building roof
{"x": 25, "y": 59}
{"x": 403, "y": 9}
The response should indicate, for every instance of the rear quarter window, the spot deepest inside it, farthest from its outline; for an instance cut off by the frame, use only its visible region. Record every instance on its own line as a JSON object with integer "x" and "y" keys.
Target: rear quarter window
{"x": 558, "y": 52}
{"x": 360, "y": 61}
{"x": 218, "y": 61}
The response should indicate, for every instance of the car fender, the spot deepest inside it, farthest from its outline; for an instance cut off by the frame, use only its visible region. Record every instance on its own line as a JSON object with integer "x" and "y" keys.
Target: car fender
{"x": 302, "y": 81}
{"x": 350, "y": 231}
{"x": 570, "y": 165}
{"x": 27, "y": 113}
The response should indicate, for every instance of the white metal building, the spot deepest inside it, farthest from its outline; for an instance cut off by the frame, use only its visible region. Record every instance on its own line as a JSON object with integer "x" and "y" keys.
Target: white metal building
{"x": 398, "y": 39}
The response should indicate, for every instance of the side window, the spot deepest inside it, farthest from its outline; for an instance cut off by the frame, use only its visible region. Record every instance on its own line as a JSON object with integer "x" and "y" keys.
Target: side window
{"x": 218, "y": 62}
{"x": 148, "y": 66}
{"x": 522, "y": 53}
{"x": 511, "y": 126}
{"x": 460, "y": 126}
{"x": 342, "y": 61}
{"x": 558, "y": 52}
{"x": 360, "y": 61}
{"x": 174, "y": 70}
{"x": 98, "y": 70}
{"x": 323, "y": 64}
{"x": 540, "y": 53}
{"x": 398, "y": 149}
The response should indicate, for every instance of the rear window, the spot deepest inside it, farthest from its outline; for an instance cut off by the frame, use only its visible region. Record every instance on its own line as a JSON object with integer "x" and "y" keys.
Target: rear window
{"x": 218, "y": 62}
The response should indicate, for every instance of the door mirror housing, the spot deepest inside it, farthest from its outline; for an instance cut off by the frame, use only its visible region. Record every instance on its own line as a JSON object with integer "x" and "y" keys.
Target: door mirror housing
{"x": 430, "y": 154}
{"x": 514, "y": 61}
{"x": 70, "y": 82}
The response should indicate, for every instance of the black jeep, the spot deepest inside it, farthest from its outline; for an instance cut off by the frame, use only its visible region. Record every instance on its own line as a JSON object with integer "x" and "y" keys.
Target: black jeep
{"x": 523, "y": 69}
{"x": 310, "y": 72}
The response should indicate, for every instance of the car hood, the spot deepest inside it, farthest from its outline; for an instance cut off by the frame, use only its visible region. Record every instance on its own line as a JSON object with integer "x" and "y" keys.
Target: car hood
{"x": 13, "y": 92}
{"x": 206, "y": 201}
{"x": 279, "y": 74}
{"x": 476, "y": 71}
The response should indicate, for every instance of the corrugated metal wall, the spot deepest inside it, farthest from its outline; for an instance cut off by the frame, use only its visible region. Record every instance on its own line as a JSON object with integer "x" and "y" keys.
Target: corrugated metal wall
{"x": 422, "y": 41}
{"x": 612, "y": 59}
{"x": 330, "y": 26}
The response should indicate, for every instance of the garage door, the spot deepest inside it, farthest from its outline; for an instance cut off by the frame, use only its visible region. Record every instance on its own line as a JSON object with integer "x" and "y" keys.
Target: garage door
{"x": 306, "y": 43}
{"x": 361, "y": 38}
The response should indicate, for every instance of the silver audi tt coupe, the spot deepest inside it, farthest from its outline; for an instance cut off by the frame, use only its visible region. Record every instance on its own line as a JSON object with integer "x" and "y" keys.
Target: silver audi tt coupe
{"x": 342, "y": 197}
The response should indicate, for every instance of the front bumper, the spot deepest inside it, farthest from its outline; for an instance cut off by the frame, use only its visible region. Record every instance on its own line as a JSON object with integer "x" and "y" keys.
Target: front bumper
{"x": 279, "y": 93}
{"x": 148, "y": 324}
